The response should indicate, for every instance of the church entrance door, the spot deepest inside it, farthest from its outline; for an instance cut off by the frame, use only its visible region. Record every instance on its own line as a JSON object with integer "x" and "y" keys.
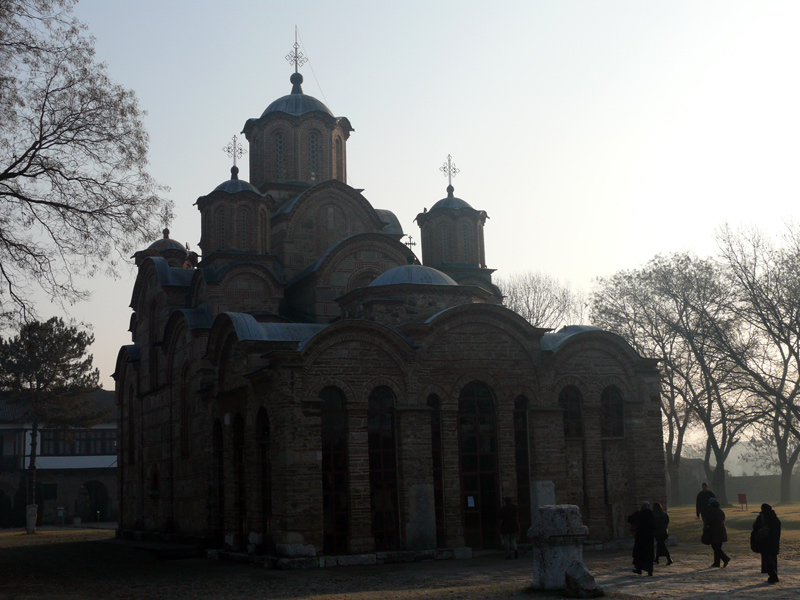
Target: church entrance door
{"x": 480, "y": 483}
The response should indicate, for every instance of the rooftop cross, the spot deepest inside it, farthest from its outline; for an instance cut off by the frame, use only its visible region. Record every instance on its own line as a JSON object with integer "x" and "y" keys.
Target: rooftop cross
{"x": 295, "y": 56}
{"x": 450, "y": 170}
{"x": 234, "y": 150}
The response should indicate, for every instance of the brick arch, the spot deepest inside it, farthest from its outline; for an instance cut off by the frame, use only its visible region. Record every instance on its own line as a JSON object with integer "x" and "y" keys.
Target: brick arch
{"x": 614, "y": 380}
{"x": 370, "y": 334}
{"x": 317, "y": 384}
{"x": 397, "y": 390}
{"x": 262, "y": 290}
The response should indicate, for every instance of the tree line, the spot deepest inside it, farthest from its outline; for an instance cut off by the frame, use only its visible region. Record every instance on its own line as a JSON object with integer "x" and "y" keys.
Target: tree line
{"x": 726, "y": 330}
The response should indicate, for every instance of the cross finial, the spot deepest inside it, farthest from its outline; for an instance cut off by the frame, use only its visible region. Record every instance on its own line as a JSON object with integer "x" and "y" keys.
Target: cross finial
{"x": 450, "y": 170}
{"x": 295, "y": 56}
{"x": 234, "y": 150}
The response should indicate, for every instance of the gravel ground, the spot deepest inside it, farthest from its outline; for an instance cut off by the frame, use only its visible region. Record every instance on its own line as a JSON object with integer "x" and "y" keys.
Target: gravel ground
{"x": 61, "y": 564}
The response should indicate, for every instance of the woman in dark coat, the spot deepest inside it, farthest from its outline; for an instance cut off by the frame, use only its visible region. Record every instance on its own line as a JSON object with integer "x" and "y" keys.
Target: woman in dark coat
{"x": 660, "y": 524}
{"x": 643, "y": 542}
{"x": 715, "y": 522}
{"x": 767, "y": 541}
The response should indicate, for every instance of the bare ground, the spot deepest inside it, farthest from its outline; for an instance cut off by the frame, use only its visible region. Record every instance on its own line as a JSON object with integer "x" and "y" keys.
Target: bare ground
{"x": 69, "y": 563}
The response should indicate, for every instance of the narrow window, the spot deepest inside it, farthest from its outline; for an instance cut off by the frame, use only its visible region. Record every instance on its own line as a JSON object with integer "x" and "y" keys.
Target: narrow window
{"x": 445, "y": 246}
{"x": 570, "y": 401}
{"x": 244, "y": 229}
{"x": 465, "y": 239}
{"x": 612, "y": 423}
{"x": 239, "y": 476}
{"x": 185, "y": 412}
{"x": 340, "y": 159}
{"x": 313, "y": 157}
{"x": 335, "y": 484}
{"x": 280, "y": 156}
{"x": 383, "y": 469}
{"x": 522, "y": 455}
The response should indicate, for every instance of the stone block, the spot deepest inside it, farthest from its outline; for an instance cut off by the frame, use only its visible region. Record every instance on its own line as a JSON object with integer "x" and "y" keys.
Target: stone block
{"x": 557, "y": 542}
{"x": 290, "y": 564}
{"x": 580, "y": 583}
{"x": 348, "y": 560}
{"x": 328, "y": 561}
{"x": 462, "y": 553}
{"x": 421, "y": 526}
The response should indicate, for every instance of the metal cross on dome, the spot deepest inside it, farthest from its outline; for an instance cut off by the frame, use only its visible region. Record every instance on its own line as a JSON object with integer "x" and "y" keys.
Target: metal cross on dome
{"x": 234, "y": 150}
{"x": 295, "y": 56}
{"x": 450, "y": 170}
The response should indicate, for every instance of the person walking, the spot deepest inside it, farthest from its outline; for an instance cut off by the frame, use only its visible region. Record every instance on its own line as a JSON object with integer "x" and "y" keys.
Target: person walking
{"x": 702, "y": 502}
{"x": 766, "y": 540}
{"x": 715, "y": 521}
{"x": 660, "y": 525}
{"x": 643, "y": 541}
{"x": 509, "y": 527}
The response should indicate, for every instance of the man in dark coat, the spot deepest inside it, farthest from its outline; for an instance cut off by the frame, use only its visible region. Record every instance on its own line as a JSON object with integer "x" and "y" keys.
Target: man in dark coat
{"x": 703, "y": 498}
{"x": 643, "y": 542}
{"x": 715, "y": 521}
{"x": 766, "y": 540}
{"x": 509, "y": 527}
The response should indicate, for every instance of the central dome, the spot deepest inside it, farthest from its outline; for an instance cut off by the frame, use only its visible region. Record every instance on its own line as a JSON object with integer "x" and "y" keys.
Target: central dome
{"x": 296, "y": 103}
{"x": 417, "y": 274}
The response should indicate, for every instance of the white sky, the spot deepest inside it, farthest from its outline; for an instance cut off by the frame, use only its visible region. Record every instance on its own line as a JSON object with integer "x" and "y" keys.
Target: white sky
{"x": 594, "y": 133}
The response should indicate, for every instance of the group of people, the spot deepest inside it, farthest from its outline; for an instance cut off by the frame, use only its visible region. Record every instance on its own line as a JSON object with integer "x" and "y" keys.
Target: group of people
{"x": 650, "y": 525}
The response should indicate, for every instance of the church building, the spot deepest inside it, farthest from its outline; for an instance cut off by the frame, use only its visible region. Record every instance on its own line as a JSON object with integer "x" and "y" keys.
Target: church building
{"x": 308, "y": 388}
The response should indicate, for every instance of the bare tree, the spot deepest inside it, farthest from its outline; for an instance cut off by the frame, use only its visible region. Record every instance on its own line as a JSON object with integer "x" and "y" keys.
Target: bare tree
{"x": 625, "y": 304}
{"x": 542, "y": 300}
{"x": 75, "y": 195}
{"x": 764, "y": 279}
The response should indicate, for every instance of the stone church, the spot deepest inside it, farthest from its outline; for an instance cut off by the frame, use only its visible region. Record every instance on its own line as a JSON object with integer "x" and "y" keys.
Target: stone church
{"x": 307, "y": 388}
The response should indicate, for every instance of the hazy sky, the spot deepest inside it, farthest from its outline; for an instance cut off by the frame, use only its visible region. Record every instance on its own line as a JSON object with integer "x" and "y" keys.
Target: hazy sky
{"x": 594, "y": 133}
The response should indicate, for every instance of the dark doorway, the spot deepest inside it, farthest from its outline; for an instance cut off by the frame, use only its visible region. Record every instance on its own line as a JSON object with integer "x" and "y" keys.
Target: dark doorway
{"x": 383, "y": 469}
{"x": 480, "y": 484}
{"x": 335, "y": 492}
{"x": 92, "y": 502}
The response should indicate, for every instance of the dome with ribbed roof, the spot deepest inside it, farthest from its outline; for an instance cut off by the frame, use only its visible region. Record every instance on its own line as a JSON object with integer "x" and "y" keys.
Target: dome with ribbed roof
{"x": 234, "y": 185}
{"x": 297, "y": 103}
{"x": 416, "y": 274}
{"x": 166, "y": 243}
{"x": 451, "y": 201}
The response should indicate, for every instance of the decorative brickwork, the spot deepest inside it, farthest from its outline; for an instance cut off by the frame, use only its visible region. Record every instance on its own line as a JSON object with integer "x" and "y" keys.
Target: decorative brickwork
{"x": 306, "y": 389}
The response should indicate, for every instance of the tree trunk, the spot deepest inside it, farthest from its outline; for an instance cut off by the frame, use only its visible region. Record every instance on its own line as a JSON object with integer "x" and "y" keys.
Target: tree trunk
{"x": 786, "y": 484}
{"x": 32, "y": 512}
{"x": 674, "y": 484}
{"x": 718, "y": 484}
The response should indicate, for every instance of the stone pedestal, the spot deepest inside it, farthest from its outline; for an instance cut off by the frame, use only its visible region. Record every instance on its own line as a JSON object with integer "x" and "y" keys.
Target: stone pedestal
{"x": 557, "y": 536}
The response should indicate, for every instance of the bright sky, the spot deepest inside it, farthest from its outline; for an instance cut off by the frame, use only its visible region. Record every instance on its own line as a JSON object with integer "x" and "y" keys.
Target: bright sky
{"x": 594, "y": 133}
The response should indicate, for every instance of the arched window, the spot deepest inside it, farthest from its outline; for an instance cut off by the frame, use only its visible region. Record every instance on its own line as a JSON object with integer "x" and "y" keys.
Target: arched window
{"x": 340, "y": 159}
{"x": 244, "y": 228}
{"x": 239, "y": 478}
{"x": 383, "y": 469}
{"x": 185, "y": 412}
{"x": 522, "y": 456}
{"x": 612, "y": 421}
{"x": 480, "y": 482}
{"x": 264, "y": 443}
{"x": 280, "y": 156}
{"x": 335, "y": 485}
{"x": 465, "y": 241}
{"x": 313, "y": 157}
{"x": 445, "y": 245}
{"x": 570, "y": 400}
{"x": 438, "y": 468}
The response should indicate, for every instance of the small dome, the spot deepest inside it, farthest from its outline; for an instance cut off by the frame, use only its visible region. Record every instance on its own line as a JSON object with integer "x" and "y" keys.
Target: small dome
{"x": 234, "y": 185}
{"x": 166, "y": 243}
{"x": 451, "y": 201}
{"x": 416, "y": 274}
{"x": 296, "y": 103}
